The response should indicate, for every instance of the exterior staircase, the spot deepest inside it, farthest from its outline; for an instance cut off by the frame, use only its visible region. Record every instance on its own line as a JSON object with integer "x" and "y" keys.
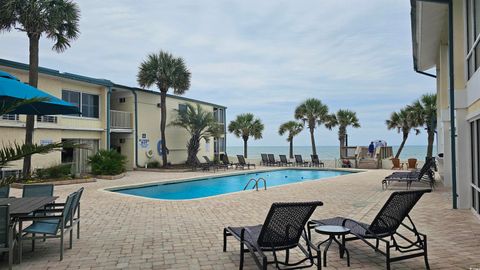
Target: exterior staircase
{"x": 367, "y": 163}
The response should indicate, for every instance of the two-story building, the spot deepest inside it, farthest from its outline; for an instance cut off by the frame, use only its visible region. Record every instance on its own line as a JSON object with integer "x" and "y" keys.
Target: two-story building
{"x": 112, "y": 116}
{"x": 446, "y": 46}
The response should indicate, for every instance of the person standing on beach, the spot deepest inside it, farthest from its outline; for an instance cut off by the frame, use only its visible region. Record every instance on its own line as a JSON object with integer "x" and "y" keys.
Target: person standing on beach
{"x": 371, "y": 149}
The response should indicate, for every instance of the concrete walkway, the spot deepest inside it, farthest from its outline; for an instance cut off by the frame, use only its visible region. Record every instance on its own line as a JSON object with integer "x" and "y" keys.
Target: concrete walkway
{"x": 124, "y": 232}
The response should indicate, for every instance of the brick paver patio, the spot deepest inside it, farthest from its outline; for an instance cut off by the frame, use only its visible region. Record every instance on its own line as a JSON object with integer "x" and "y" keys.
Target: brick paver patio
{"x": 124, "y": 232}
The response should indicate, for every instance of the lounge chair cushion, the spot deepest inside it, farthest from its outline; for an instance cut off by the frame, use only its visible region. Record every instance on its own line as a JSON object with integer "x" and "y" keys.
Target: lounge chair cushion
{"x": 48, "y": 226}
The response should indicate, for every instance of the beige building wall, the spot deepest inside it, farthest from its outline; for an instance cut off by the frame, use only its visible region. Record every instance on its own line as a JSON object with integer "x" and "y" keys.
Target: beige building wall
{"x": 177, "y": 138}
{"x": 67, "y": 127}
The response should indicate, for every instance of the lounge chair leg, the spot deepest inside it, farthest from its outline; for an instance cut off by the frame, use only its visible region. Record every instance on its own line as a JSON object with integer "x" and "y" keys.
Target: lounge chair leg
{"x": 319, "y": 260}
{"x": 10, "y": 258}
{"x": 377, "y": 243}
{"x": 241, "y": 255}
{"x": 425, "y": 253}
{"x": 287, "y": 256}
{"x": 224, "y": 240}
{"x": 33, "y": 242}
{"x": 387, "y": 256}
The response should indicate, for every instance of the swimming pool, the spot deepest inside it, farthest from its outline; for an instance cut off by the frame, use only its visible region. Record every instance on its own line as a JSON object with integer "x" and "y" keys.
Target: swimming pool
{"x": 206, "y": 187}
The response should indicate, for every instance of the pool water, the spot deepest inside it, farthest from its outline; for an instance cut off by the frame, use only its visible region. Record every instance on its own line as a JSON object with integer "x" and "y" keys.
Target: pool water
{"x": 201, "y": 188}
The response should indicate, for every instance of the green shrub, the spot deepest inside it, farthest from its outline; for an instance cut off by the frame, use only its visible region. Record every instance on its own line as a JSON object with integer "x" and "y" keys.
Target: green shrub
{"x": 107, "y": 162}
{"x": 60, "y": 171}
{"x": 153, "y": 164}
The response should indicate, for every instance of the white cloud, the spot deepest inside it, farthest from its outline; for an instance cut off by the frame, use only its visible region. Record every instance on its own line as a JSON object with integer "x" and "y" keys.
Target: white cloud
{"x": 263, "y": 57}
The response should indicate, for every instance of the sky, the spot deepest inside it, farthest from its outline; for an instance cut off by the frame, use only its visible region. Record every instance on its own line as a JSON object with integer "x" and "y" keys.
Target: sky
{"x": 261, "y": 57}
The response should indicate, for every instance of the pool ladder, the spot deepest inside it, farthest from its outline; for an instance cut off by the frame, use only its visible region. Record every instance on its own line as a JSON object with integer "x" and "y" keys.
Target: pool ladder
{"x": 255, "y": 186}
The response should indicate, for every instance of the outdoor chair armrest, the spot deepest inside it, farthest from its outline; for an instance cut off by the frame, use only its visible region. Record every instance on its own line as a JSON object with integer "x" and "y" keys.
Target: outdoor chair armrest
{"x": 33, "y": 218}
{"x": 361, "y": 225}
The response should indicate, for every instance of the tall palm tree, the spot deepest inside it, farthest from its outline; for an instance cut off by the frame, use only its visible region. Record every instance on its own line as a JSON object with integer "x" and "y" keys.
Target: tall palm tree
{"x": 246, "y": 126}
{"x": 313, "y": 112}
{"x": 166, "y": 72}
{"x": 404, "y": 122}
{"x": 343, "y": 119}
{"x": 425, "y": 112}
{"x": 293, "y": 128}
{"x": 57, "y": 20}
{"x": 201, "y": 124}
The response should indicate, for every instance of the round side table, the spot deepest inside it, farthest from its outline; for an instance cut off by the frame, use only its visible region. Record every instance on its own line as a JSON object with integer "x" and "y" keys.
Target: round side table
{"x": 333, "y": 232}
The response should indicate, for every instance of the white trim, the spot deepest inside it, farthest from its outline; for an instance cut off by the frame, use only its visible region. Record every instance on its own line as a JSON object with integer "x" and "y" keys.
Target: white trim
{"x": 81, "y": 118}
{"x": 473, "y": 116}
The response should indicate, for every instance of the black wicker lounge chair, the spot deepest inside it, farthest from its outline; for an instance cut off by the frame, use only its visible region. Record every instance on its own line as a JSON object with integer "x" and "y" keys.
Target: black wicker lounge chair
{"x": 384, "y": 228}
{"x": 272, "y": 161}
{"x": 299, "y": 161}
{"x": 227, "y": 162}
{"x": 203, "y": 166}
{"x": 265, "y": 161}
{"x": 284, "y": 161}
{"x": 242, "y": 163}
{"x": 316, "y": 161}
{"x": 426, "y": 174}
{"x": 281, "y": 231}
{"x": 212, "y": 164}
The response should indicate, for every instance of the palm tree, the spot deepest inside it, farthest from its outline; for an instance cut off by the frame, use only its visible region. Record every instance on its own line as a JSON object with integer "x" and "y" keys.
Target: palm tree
{"x": 200, "y": 123}
{"x": 313, "y": 112}
{"x": 165, "y": 71}
{"x": 293, "y": 128}
{"x": 343, "y": 119}
{"x": 246, "y": 126}
{"x": 425, "y": 111}
{"x": 404, "y": 122}
{"x": 57, "y": 20}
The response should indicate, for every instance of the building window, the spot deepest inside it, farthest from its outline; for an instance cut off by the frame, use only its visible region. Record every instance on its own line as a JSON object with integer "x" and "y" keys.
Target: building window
{"x": 219, "y": 115}
{"x": 121, "y": 100}
{"x": 182, "y": 107}
{"x": 46, "y": 119}
{"x": 10, "y": 117}
{"x": 473, "y": 36}
{"x": 88, "y": 104}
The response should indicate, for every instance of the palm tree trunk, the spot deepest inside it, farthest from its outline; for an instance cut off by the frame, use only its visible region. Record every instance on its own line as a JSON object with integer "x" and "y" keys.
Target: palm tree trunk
{"x": 312, "y": 138}
{"x": 193, "y": 147}
{"x": 245, "y": 147}
{"x": 405, "y": 136}
{"x": 163, "y": 123}
{"x": 341, "y": 138}
{"x": 33, "y": 81}
{"x": 291, "y": 148}
{"x": 431, "y": 138}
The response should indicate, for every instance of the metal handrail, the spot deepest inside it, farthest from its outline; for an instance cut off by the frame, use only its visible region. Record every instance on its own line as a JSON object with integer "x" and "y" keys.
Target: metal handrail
{"x": 255, "y": 186}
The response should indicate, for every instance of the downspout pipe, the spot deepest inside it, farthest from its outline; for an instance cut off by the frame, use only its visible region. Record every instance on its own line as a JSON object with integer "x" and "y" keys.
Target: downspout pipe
{"x": 109, "y": 95}
{"x": 135, "y": 100}
{"x": 451, "y": 74}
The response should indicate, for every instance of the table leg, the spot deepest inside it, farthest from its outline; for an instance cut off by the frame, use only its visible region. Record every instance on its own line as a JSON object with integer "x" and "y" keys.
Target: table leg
{"x": 330, "y": 239}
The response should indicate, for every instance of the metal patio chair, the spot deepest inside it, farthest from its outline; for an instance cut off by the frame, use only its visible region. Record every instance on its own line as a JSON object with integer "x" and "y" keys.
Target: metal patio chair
{"x": 37, "y": 190}
{"x": 242, "y": 163}
{"x": 281, "y": 231}
{"x": 7, "y": 241}
{"x": 316, "y": 161}
{"x": 5, "y": 191}
{"x": 265, "y": 161}
{"x": 52, "y": 222}
{"x": 272, "y": 161}
{"x": 425, "y": 174}
{"x": 384, "y": 228}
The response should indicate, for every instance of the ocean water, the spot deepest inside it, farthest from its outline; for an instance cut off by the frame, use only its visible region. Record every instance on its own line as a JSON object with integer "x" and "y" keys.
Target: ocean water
{"x": 324, "y": 152}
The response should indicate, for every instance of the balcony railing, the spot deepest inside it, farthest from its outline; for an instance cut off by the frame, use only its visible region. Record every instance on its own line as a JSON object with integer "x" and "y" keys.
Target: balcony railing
{"x": 120, "y": 119}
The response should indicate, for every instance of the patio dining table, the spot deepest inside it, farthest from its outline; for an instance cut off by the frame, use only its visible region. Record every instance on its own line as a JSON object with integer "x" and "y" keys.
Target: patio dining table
{"x": 24, "y": 206}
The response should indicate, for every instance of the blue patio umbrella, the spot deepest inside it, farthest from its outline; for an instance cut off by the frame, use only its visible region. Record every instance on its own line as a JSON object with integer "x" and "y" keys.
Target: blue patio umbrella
{"x": 13, "y": 90}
